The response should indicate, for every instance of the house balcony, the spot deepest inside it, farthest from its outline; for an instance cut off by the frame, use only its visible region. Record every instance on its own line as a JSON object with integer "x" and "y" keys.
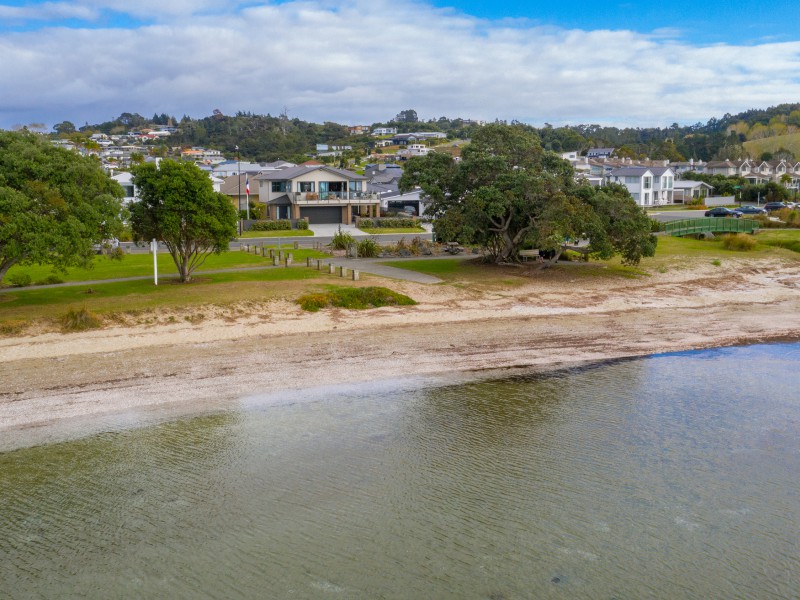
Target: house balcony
{"x": 333, "y": 198}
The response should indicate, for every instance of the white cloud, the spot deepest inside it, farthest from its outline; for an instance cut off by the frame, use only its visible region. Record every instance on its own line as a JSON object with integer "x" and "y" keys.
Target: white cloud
{"x": 364, "y": 61}
{"x": 47, "y": 11}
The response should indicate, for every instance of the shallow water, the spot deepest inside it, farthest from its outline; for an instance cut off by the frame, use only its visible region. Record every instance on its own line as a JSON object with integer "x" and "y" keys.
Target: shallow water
{"x": 673, "y": 476}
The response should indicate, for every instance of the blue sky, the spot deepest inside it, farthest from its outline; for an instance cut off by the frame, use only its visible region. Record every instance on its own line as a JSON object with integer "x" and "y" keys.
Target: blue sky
{"x": 362, "y": 61}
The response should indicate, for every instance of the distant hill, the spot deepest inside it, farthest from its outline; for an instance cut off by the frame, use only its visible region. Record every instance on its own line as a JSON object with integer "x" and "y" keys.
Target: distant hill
{"x": 790, "y": 142}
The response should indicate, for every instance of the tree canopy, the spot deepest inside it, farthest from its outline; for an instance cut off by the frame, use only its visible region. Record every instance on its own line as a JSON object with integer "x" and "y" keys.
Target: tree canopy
{"x": 178, "y": 205}
{"x": 54, "y": 204}
{"x": 507, "y": 193}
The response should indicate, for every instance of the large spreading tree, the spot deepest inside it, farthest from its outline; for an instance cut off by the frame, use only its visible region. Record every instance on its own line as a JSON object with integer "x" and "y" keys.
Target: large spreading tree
{"x": 507, "y": 193}
{"x": 54, "y": 204}
{"x": 178, "y": 205}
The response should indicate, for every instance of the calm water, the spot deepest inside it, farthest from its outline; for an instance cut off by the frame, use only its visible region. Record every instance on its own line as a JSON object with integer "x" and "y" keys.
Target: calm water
{"x": 676, "y": 476}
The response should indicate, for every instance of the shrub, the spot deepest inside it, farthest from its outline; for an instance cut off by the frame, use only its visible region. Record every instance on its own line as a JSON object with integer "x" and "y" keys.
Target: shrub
{"x": 277, "y": 225}
{"x": 764, "y": 222}
{"x": 388, "y": 223}
{"x": 418, "y": 246}
{"x": 738, "y": 241}
{"x": 50, "y": 280}
{"x": 302, "y": 224}
{"x": 19, "y": 279}
{"x": 313, "y": 302}
{"x": 354, "y": 298}
{"x": 368, "y": 248}
{"x": 116, "y": 253}
{"x": 341, "y": 240}
{"x": 656, "y": 226}
{"x": 79, "y": 320}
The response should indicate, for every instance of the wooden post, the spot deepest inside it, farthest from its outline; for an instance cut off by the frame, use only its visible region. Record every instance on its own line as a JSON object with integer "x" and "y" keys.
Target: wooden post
{"x": 331, "y": 268}
{"x": 274, "y": 261}
{"x": 355, "y": 275}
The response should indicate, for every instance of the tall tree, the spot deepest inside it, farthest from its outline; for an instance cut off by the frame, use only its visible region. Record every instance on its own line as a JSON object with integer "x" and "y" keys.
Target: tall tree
{"x": 178, "y": 205}
{"x": 54, "y": 204}
{"x": 508, "y": 192}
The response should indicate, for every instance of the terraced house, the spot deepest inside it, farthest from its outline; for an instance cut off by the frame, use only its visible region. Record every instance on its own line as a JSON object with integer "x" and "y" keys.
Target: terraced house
{"x": 318, "y": 193}
{"x": 649, "y": 186}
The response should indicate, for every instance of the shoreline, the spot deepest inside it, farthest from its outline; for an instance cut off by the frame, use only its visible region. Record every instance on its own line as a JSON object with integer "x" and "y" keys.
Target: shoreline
{"x": 127, "y": 376}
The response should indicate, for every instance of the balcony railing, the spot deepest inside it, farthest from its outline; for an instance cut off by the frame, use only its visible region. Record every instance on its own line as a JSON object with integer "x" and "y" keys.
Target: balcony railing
{"x": 334, "y": 198}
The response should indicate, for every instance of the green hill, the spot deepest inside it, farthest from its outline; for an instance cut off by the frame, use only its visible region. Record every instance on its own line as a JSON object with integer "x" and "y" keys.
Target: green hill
{"x": 790, "y": 142}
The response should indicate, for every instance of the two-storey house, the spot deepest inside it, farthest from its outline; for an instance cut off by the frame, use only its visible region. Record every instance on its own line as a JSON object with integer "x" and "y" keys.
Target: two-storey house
{"x": 649, "y": 186}
{"x": 318, "y": 193}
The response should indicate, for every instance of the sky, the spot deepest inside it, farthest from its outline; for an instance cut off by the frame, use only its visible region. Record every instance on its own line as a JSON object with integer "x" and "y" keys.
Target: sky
{"x": 357, "y": 62}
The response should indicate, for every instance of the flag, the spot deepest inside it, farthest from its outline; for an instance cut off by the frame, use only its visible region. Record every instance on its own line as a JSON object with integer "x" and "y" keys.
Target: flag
{"x": 247, "y": 188}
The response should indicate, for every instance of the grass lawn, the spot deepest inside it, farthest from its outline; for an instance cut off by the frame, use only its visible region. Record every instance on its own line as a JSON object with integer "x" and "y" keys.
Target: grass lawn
{"x": 281, "y": 233}
{"x": 379, "y": 230}
{"x": 30, "y": 304}
{"x": 139, "y": 265}
{"x": 780, "y": 238}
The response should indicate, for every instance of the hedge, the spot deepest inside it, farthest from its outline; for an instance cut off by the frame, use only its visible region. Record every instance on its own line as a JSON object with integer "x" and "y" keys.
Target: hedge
{"x": 279, "y": 225}
{"x": 388, "y": 222}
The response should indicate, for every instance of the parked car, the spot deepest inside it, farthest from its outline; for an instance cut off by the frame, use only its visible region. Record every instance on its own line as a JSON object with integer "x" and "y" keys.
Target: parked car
{"x": 751, "y": 210}
{"x": 772, "y": 206}
{"x": 721, "y": 211}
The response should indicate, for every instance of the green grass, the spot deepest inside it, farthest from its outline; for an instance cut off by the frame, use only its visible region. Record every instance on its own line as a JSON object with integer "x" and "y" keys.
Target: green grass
{"x": 280, "y": 233}
{"x": 119, "y": 297}
{"x": 379, "y": 230}
{"x": 788, "y": 239}
{"x": 141, "y": 265}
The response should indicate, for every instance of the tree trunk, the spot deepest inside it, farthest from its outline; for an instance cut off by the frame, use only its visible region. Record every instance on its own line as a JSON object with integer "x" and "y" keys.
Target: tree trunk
{"x": 6, "y": 265}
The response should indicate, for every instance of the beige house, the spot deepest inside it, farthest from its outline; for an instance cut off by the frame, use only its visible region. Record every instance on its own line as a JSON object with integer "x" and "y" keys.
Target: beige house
{"x": 316, "y": 192}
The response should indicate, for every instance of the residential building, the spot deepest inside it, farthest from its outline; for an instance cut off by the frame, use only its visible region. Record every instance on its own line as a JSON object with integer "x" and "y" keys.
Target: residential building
{"x": 649, "y": 186}
{"x": 686, "y": 190}
{"x": 235, "y": 187}
{"x": 413, "y": 150}
{"x": 378, "y": 131}
{"x": 359, "y": 130}
{"x": 318, "y": 193}
{"x": 599, "y": 152}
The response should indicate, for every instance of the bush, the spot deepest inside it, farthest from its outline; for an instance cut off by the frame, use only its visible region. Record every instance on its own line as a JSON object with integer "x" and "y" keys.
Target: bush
{"x": 738, "y": 241}
{"x": 302, "y": 224}
{"x": 19, "y": 279}
{"x": 80, "y": 320}
{"x": 354, "y": 298}
{"x": 388, "y": 223}
{"x": 50, "y": 280}
{"x": 116, "y": 253}
{"x": 277, "y": 225}
{"x": 764, "y": 222}
{"x": 656, "y": 226}
{"x": 341, "y": 240}
{"x": 368, "y": 248}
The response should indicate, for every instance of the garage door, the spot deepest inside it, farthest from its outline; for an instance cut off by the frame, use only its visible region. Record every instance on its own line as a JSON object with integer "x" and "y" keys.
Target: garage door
{"x": 322, "y": 214}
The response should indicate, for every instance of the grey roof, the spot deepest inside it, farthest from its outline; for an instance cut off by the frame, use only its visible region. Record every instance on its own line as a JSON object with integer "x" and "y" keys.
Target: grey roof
{"x": 631, "y": 171}
{"x": 293, "y": 172}
{"x": 280, "y": 200}
{"x": 687, "y": 184}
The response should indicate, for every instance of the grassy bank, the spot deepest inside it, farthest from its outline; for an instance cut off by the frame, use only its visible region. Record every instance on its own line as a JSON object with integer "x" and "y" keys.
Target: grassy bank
{"x": 279, "y": 233}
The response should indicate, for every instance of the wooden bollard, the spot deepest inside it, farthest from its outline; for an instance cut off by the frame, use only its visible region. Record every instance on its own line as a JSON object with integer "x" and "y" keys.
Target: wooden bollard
{"x": 355, "y": 275}
{"x": 287, "y": 261}
{"x": 263, "y": 251}
{"x": 296, "y": 245}
{"x": 274, "y": 261}
{"x": 343, "y": 272}
{"x": 331, "y": 268}
{"x": 248, "y": 248}
{"x": 308, "y": 261}
{"x": 280, "y": 254}
{"x": 272, "y": 252}
{"x": 319, "y": 265}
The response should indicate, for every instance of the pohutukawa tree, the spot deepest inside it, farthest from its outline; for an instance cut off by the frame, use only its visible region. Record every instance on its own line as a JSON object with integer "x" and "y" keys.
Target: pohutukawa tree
{"x": 507, "y": 193}
{"x": 178, "y": 205}
{"x": 54, "y": 204}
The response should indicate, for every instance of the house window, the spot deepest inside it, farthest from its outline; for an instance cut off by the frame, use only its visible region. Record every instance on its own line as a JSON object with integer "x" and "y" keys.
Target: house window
{"x": 666, "y": 183}
{"x": 355, "y": 186}
{"x": 648, "y": 183}
{"x": 280, "y": 186}
{"x": 629, "y": 179}
{"x": 305, "y": 186}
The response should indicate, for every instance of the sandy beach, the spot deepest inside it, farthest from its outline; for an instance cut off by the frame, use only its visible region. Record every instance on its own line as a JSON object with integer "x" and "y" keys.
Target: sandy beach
{"x": 555, "y": 320}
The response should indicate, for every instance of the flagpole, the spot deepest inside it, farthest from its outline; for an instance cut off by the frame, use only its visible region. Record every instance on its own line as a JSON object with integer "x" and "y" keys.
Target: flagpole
{"x": 247, "y": 193}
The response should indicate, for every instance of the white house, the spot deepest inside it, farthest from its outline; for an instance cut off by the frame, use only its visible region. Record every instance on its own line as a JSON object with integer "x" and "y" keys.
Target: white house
{"x": 384, "y": 131}
{"x": 413, "y": 150}
{"x": 649, "y": 186}
{"x": 125, "y": 179}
